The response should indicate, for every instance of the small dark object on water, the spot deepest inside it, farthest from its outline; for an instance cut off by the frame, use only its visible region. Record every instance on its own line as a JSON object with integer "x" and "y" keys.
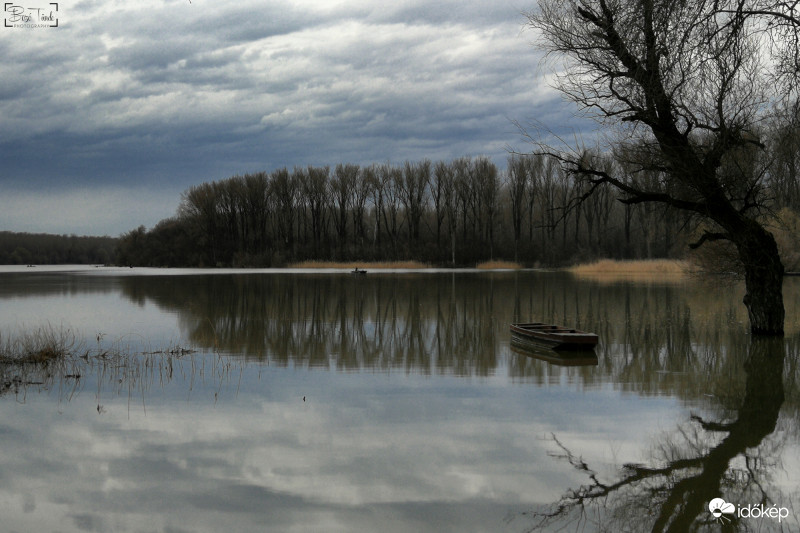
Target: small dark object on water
{"x": 358, "y": 271}
{"x": 552, "y": 336}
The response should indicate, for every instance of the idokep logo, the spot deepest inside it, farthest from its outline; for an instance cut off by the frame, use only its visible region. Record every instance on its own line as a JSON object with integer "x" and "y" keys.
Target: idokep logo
{"x": 720, "y": 508}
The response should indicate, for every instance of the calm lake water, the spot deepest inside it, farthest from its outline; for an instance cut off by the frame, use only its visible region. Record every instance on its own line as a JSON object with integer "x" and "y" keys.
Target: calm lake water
{"x": 392, "y": 402}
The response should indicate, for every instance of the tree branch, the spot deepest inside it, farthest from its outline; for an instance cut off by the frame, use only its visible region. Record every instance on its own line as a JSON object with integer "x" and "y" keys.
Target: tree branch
{"x": 710, "y": 237}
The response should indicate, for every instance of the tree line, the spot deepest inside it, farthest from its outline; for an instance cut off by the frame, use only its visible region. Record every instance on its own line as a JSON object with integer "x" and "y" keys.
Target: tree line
{"x": 457, "y": 213}
{"x": 452, "y": 213}
{"x": 46, "y": 249}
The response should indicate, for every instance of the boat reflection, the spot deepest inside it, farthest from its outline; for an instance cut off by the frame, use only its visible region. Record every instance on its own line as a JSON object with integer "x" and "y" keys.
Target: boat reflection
{"x": 558, "y": 358}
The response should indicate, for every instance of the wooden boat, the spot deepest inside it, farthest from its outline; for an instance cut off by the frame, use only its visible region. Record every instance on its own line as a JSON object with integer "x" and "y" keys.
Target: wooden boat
{"x": 554, "y": 337}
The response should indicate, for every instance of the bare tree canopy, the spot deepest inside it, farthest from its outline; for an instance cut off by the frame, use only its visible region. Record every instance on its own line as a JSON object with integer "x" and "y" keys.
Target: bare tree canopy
{"x": 687, "y": 86}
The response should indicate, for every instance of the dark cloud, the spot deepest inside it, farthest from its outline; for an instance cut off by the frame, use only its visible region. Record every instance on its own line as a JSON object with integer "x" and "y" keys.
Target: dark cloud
{"x": 150, "y": 55}
{"x": 169, "y": 95}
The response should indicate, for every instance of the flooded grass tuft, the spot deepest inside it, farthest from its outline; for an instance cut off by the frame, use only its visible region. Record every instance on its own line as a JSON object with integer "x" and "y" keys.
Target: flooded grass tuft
{"x": 57, "y": 358}
{"x": 39, "y": 346}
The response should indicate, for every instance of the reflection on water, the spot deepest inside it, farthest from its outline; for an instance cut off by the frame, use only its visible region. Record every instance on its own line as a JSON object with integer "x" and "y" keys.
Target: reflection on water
{"x": 654, "y": 339}
{"x": 426, "y": 421}
{"x": 730, "y": 456}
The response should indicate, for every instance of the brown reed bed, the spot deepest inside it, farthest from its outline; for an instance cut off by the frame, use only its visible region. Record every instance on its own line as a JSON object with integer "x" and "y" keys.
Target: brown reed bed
{"x": 657, "y": 269}
{"x": 498, "y": 265}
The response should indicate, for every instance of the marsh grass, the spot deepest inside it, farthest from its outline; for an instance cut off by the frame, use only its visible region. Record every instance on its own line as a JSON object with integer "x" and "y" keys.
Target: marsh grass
{"x": 58, "y": 359}
{"x": 498, "y": 265}
{"x": 361, "y": 264}
{"x": 39, "y": 346}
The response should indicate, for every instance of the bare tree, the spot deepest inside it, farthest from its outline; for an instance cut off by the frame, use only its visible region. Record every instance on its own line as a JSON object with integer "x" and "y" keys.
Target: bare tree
{"x": 487, "y": 187}
{"x": 388, "y": 202}
{"x": 462, "y": 184}
{"x": 199, "y": 206}
{"x": 255, "y": 211}
{"x": 686, "y": 85}
{"x": 447, "y": 181}
{"x": 442, "y": 175}
{"x": 784, "y": 144}
{"x": 412, "y": 186}
{"x": 342, "y": 187}
{"x": 363, "y": 189}
{"x": 518, "y": 191}
{"x": 315, "y": 192}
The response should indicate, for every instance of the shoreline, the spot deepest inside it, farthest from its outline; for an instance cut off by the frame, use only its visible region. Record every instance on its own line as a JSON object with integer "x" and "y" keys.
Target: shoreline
{"x": 600, "y": 267}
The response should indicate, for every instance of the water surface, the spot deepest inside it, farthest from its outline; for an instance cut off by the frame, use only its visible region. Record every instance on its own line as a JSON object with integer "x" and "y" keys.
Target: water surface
{"x": 322, "y": 401}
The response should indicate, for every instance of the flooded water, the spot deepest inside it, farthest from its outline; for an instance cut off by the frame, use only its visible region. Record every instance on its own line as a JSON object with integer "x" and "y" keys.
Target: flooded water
{"x": 323, "y": 401}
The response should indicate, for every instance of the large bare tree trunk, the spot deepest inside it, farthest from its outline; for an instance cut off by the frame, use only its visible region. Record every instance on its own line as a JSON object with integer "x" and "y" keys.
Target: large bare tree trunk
{"x": 763, "y": 280}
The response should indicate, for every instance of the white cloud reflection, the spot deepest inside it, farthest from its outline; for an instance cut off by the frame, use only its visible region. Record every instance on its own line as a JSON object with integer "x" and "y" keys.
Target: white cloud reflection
{"x": 364, "y": 452}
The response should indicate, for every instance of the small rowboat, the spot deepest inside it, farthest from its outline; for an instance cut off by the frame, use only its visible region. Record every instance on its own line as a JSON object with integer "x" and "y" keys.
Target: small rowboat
{"x": 358, "y": 271}
{"x": 554, "y": 337}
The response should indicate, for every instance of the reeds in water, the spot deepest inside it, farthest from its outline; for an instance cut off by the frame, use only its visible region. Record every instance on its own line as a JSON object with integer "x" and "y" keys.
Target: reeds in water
{"x": 38, "y": 346}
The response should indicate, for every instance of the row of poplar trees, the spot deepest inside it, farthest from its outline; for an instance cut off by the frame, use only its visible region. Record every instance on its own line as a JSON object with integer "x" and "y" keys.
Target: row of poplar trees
{"x": 457, "y": 212}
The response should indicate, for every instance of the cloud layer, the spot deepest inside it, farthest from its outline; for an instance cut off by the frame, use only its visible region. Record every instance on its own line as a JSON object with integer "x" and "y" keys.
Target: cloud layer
{"x": 162, "y": 95}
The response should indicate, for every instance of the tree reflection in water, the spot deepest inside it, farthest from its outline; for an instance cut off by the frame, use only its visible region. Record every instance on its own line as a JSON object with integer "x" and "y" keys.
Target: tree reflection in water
{"x": 732, "y": 458}
{"x": 656, "y": 339}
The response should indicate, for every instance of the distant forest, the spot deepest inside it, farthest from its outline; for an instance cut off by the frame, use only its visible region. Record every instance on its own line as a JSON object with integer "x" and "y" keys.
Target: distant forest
{"x": 457, "y": 212}
{"x": 44, "y": 249}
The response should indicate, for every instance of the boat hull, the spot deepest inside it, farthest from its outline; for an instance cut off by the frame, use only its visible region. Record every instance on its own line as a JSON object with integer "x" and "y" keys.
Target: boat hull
{"x": 538, "y": 334}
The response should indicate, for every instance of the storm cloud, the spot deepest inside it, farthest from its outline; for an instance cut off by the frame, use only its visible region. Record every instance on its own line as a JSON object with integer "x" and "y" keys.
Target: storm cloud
{"x": 153, "y": 97}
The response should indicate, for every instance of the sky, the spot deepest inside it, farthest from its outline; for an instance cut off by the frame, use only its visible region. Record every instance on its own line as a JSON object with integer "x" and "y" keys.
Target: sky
{"x": 108, "y": 117}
